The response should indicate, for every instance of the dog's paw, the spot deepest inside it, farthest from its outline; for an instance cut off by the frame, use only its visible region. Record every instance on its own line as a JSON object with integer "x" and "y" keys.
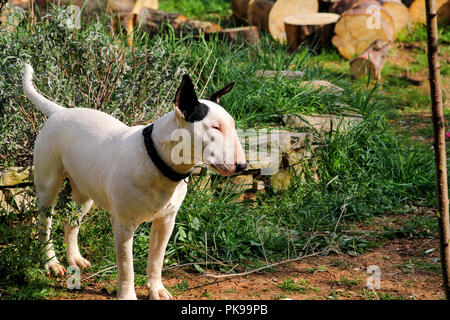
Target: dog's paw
{"x": 129, "y": 296}
{"x": 79, "y": 261}
{"x": 157, "y": 291}
{"x": 55, "y": 267}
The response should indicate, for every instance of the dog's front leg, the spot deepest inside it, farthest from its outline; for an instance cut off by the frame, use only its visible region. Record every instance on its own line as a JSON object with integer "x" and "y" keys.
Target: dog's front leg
{"x": 159, "y": 237}
{"x": 123, "y": 240}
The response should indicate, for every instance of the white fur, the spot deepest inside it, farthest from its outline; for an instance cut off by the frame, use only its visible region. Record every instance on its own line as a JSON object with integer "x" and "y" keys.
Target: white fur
{"x": 107, "y": 163}
{"x": 46, "y": 106}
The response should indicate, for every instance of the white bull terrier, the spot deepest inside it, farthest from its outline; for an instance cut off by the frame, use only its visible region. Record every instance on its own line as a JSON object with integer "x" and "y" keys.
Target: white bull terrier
{"x": 129, "y": 171}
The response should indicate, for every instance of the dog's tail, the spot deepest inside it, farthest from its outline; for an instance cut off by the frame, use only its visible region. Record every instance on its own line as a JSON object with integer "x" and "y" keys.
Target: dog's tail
{"x": 42, "y": 103}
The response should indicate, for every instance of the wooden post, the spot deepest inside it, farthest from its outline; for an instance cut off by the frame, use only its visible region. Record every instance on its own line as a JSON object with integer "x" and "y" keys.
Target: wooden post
{"x": 439, "y": 143}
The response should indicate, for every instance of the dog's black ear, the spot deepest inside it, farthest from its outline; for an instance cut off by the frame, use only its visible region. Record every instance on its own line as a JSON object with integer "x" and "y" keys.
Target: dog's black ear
{"x": 187, "y": 102}
{"x": 185, "y": 98}
{"x": 215, "y": 97}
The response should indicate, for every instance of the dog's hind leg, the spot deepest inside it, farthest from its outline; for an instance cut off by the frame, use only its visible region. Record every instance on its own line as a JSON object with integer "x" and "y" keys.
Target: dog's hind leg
{"x": 74, "y": 257}
{"x": 48, "y": 178}
{"x": 46, "y": 191}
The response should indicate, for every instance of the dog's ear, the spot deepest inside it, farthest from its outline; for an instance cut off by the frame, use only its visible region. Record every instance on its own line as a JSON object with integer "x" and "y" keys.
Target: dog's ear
{"x": 215, "y": 97}
{"x": 186, "y": 102}
{"x": 185, "y": 98}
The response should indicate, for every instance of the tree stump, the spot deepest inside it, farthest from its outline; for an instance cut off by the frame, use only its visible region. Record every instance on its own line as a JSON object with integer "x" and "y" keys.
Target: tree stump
{"x": 302, "y": 27}
{"x": 371, "y": 61}
{"x": 372, "y": 7}
{"x": 284, "y": 8}
{"x": 360, "y": 26}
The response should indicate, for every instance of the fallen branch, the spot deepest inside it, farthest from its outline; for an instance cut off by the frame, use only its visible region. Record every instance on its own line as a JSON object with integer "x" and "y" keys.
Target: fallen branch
{"x": 97, "y": 273}
{"x": 413, "y": 80}
{"x": 241, "y": 274}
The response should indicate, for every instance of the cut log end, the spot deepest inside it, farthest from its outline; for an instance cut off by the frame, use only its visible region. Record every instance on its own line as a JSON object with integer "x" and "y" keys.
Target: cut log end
{"x": 399, "y": 13}
{"x": 357, "y": 29}
{"x": 371, "y": 61}
{"x": 364, "y": 68}
{"x": 417, "y": 10}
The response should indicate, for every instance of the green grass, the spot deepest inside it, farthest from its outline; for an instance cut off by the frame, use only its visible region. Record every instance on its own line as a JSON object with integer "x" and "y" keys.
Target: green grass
{"x": 321, "y": 268}
{"x": 418, "y": 226}
{"x": 364, "y": 172}
{"x": 380, "y": 295}
{"x": 198, "y": 9}
{"x": 179, "y": 288}
{"x": 400, "y": 94}
{"x": 404, "y": 95}
{"x": 300, "y": 286}
{"x": 343, "y": 281}
{"x": 421, "y": 265}
{"x": 419, "y": 34}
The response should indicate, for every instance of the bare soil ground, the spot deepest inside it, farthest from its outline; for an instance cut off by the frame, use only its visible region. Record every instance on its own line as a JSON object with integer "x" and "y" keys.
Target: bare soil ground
{"x": 409, "y": 269}
{"x": 407, "y": 272}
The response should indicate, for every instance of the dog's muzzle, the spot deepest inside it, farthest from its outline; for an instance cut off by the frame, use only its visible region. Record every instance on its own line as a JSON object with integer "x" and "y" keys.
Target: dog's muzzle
{"x": 228, "y": 170}
{"x": 240, "y": 167}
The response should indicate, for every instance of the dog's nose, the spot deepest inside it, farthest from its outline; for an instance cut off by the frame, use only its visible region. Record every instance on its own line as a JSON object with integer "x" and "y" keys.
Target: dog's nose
{"x": 241, "y": 166}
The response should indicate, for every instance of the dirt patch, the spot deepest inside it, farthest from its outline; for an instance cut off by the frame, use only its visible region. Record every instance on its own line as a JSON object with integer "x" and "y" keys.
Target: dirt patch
{"x": 409, "y": 269}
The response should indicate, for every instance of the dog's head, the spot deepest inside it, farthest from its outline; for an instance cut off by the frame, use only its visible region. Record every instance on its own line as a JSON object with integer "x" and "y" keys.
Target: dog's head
{"x": 209, "y": 130}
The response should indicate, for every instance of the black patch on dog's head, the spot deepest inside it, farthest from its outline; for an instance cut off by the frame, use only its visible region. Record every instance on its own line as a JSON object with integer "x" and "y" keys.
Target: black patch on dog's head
{"x": 215, "y": 97}
{"x": 186, "y": 101}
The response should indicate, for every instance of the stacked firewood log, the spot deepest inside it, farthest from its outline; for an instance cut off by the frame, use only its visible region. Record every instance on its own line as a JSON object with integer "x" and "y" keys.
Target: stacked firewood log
{"x": 130, "y": 15}
{"x": 417, "y": 9}
{"x": 361, "y": 30}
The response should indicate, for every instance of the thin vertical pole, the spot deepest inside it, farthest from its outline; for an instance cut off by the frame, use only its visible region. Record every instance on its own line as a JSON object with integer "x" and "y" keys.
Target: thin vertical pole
{"x": 439, "y": 143}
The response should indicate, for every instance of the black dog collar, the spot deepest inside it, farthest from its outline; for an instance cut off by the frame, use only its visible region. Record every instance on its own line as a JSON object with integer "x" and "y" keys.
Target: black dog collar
{"x": 159, "y": 163}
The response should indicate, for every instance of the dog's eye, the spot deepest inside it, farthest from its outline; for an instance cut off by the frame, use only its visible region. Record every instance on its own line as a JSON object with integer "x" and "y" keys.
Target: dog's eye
{"x": 216, "y": 128}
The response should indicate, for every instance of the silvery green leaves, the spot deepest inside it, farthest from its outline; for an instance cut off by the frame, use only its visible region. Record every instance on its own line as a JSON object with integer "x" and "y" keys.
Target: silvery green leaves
{"x": 81, "y": 67}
